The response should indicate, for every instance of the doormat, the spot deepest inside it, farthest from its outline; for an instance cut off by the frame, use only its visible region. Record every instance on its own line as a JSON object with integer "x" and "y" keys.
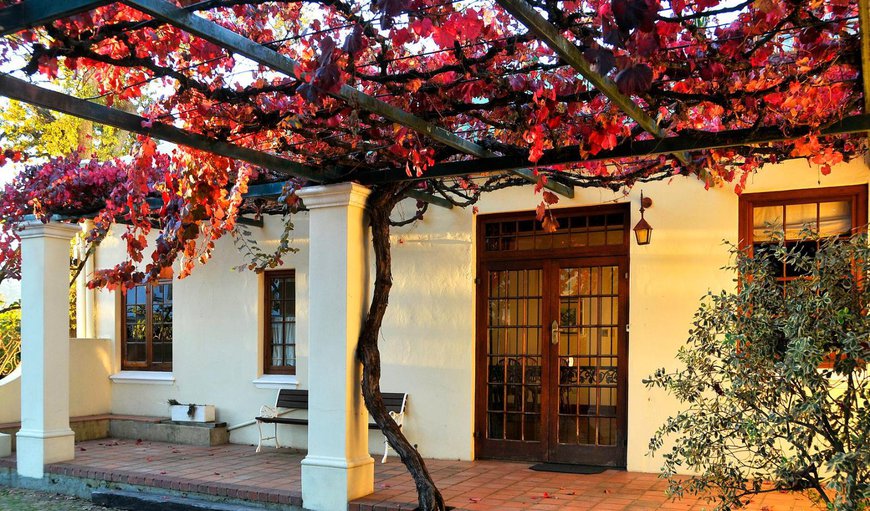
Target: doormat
{"x": 567, "y": 469}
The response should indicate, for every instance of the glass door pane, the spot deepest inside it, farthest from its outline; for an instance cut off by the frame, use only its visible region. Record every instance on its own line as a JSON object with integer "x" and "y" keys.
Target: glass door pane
{"x": 588, "y": 355}
{"x": 514, "y": 356}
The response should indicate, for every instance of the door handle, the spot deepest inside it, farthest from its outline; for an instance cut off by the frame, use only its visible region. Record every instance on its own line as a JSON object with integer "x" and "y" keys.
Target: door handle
{"x": 554, "y": 332}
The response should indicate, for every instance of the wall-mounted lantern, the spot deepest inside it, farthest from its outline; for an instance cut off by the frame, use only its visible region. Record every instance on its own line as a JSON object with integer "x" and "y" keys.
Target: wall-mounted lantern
{"x": 643, "y": 230}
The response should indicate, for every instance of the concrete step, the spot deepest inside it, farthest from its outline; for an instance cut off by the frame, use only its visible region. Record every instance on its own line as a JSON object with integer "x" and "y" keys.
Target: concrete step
{"x": 185, "y": 433}
{"x": 140, "y": 501}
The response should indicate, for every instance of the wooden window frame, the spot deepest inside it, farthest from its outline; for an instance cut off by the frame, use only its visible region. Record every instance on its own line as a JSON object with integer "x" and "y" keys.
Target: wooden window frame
{"x": 856, "y": 194}
{"x": 268, "y": 368}
{"x": 148, "y": 364}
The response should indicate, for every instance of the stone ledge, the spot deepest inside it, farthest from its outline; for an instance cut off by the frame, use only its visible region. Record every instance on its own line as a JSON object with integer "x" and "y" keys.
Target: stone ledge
{"x": 206, "y": 434}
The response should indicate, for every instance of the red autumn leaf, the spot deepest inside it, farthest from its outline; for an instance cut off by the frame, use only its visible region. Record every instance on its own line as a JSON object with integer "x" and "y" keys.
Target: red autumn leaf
{"x": 550, "y": 197}
{"x": 354, "y": 42}
{"x": 631, "y": 14}
{"x": 540, "y": 211}
{"x": 634, "y": 79}
{"x": 389, "y": 9}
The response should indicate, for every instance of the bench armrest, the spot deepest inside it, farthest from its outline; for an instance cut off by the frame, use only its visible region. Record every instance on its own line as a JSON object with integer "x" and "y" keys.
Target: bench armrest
{"x": 268, "y": 411}
{"x": 398, "y": 417}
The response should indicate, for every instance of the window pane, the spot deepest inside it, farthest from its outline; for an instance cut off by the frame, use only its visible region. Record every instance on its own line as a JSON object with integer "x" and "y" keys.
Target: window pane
{"x": 135, "y": 352}
{"x": 277, "y": 333}
{"x": 140, "y": 321}
{"x": 835, "y": 218}
{"x": 281, "y": 321}
{"x": 277, "y": 358}
{"x": 276, "y": 310}
{"x": 799, "y": 217}
{"x": 158, "y": 294}
{"x": 275, "y": 289}
{"x": 766, "y": 220}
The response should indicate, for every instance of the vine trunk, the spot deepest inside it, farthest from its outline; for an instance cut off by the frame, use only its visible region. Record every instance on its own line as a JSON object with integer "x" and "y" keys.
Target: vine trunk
{"x": 381, "y": 204}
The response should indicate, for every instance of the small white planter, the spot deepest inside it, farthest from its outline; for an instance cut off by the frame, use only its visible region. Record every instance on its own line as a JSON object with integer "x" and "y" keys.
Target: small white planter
{"x": 201, "y": 413}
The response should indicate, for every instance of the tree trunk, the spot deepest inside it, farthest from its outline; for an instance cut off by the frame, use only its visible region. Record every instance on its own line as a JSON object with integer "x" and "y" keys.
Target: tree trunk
{"x": 381, "y": 204}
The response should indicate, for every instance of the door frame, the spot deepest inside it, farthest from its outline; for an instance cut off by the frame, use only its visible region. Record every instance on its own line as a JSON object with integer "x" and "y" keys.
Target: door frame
{"x": 617, "y": 255}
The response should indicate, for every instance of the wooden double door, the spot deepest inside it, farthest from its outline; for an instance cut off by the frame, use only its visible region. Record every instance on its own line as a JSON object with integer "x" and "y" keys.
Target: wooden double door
{"x": 552, "y": 355}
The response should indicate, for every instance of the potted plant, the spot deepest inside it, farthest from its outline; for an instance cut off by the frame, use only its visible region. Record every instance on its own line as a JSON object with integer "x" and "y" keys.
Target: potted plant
{"x": 190, "y": 412}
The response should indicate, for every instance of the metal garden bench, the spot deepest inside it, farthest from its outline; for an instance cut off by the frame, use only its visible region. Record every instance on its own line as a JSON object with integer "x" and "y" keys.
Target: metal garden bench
{"x": 291, "y": 400}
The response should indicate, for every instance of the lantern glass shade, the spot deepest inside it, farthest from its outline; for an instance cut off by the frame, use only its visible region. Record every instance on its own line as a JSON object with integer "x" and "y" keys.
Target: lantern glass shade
{"x": 643, "y": 232}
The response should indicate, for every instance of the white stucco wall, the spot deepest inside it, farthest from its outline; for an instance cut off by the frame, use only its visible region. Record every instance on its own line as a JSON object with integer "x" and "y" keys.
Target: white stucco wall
{"x": 428, "y": 336}
{"x": 90, "y": 392}
{"x": 217, "y": 324}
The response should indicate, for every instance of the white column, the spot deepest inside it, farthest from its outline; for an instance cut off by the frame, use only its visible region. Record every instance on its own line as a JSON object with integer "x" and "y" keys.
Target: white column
{"x": 338, "y": 467}
{"x": 45, "y": 435}
{"x": 85, "y": 297}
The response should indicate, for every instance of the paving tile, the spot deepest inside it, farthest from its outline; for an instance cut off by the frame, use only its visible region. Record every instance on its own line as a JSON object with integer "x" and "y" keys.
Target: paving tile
{"x": 274, "y": 475}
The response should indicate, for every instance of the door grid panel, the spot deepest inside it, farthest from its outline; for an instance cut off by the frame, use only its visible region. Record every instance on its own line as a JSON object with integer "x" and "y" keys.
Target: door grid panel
{"x": 514, "y": 355}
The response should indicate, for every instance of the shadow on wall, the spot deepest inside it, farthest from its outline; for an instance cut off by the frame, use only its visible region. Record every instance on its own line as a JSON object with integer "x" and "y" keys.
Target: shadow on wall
{"x": 90, "y": 388}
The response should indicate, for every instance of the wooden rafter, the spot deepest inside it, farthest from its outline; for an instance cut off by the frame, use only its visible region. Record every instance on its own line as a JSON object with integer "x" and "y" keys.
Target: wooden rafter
{"x": 695, "y": 141}
{"x": 33, "y": 13}
{"x": 241, "y": 45}
{"x": 22, "y": 91}
{"x": 551, "y": 35}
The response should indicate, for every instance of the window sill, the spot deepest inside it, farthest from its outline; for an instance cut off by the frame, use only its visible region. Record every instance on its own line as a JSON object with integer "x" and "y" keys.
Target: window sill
{"x": 276, "y": 381}
{"x": 144, "y": 377}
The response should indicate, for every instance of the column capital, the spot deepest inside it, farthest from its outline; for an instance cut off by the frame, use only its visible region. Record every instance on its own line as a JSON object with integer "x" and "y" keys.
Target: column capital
{"x": 38, "y": 229}
{"x": 337, "y": 195}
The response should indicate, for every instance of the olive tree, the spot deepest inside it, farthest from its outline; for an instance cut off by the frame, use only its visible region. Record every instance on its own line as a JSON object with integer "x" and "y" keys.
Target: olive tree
{"x": 774, "y": 384}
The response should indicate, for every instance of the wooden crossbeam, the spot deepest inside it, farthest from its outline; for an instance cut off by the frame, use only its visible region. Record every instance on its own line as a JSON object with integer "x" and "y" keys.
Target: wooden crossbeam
{"x": 273, "y": 190}
{"x": 864, "y": 20}
{"x": 265, "y": 191}
{"x": 156, "y": 203}
{"x": 22, "y": 91}
{"x": 551, "y": 35}
{"x": 686, "y": 141}
{"x": 33, "y": 13}
{"x": 241, "y": 45}
{"x": 431, "y": 199}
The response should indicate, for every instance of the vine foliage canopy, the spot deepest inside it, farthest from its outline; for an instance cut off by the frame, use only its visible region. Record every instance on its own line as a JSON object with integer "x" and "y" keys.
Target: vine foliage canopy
{"x": 458, "y": 96}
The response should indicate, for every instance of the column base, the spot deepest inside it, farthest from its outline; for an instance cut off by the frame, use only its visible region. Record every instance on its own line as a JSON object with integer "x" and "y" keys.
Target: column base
{"x": 35, "y": 449}
{"x": 328, "y": 484}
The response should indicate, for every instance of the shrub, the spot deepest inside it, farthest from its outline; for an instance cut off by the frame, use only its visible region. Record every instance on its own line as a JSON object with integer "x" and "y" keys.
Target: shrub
{"x": 775, "y": 386}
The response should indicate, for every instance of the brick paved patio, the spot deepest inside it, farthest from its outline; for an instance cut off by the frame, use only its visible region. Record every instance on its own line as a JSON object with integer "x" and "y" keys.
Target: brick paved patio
{"x": 236, "y": 472}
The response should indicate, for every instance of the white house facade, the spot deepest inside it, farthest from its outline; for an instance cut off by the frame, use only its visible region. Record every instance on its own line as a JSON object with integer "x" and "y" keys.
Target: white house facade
{"x": 510, "y": 342}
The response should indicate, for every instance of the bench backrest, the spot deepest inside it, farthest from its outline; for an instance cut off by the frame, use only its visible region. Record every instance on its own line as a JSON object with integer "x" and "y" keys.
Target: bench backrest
{"x": 395, "y": 401}
{"x": 292, "y": 398}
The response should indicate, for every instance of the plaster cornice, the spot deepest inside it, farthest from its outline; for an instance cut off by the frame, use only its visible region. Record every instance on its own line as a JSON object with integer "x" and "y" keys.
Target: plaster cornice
{"x": 38, "y": 229}
{"x": 337, "y": 195}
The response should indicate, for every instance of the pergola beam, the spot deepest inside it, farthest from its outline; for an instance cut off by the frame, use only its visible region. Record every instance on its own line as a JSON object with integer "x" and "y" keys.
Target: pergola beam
{"x": 551, "y": 35}
{"x": 241, "y": 45}
{"x": 864, "y": 20}
{"x": 273, "y": 191}
{"x": 20, "y": 90}
{"x": 33, "y": 13}
{"x": 685, "y": 141}
{"x": 431, "y": 199}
